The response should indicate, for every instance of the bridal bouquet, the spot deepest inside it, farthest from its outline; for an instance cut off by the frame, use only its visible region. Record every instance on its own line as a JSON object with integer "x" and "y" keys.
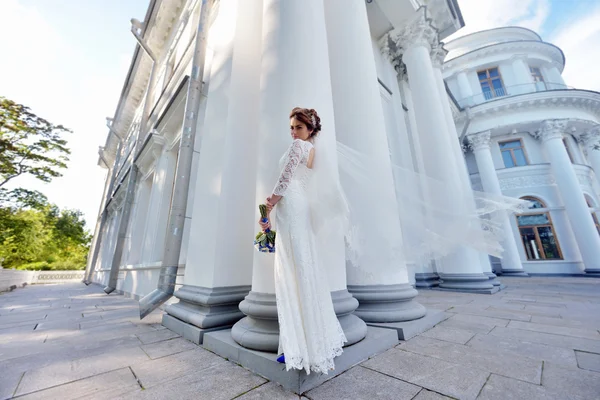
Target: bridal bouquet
{"x": 264, "y": 241}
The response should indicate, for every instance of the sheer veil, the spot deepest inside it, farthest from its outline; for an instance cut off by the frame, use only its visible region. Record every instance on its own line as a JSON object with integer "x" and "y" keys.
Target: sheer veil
{"x": 435, "y": 217}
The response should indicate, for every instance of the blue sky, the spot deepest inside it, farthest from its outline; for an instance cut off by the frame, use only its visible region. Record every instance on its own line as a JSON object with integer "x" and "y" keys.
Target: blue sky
{"x": 67, "y": 60}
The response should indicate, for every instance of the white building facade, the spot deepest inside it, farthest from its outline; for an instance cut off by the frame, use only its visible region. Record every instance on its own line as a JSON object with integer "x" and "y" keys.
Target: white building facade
{"x": 202, "y": 121}
{"x": 526, "y": 134}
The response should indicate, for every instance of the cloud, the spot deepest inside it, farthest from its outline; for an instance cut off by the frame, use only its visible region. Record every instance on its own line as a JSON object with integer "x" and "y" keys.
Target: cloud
{"x": 578, "y": 37}
{"x": 485, "y": 14}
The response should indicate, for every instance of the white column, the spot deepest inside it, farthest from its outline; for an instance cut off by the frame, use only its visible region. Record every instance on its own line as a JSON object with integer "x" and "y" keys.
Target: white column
{"x": 358, "y": 109}
{"x": 480, "y": 144}
{"x": 437, "y": 55}
{"x": 591, "y": 144}
{"x": 219, "y": 254}
{"x": 466, "y": 92}
{"x": 588, "y": 240}
{"x": 294, "y": 72}
{"x": 554, "y": 78}
{"x": 425, "y": 274}
{"x": 462, "y": 270}
{"x": 523, "y": 80}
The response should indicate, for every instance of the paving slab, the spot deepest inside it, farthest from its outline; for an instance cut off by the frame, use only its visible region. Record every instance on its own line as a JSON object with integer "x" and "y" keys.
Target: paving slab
{"x": 9, "y": 379}
{"x": 503, "y": 388}
{"x": 454, "y": 335}
{"x": 569, "y": 342}
{"x": 556, "y": 330}
{"x": 425, "y": 394}
{"x": 364, "y": 383}
{"x": 220, "y": 382}
{"x": 102, "y": 386}
{"x": 168, "y": 347}
{"x": 534, "y": 350}
{"x": 72, "y": 370}
{"x": 270, "y": 390}
{"x": 565, "y": 321}
{"x": 589, "y": 361}
{"x": 571, "y": 384}
{"x": 157, "y": 372}
{"x": 156, "y": 336}
{"x": 449, "y": 379}
{"x": 489, "y": 360}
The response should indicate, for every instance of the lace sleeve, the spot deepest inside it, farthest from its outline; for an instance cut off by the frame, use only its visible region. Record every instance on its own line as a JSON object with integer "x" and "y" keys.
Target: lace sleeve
{"x": 293, "y": 158}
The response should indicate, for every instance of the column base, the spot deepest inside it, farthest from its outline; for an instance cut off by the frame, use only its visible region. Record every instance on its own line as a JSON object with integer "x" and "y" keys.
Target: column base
{"x": 493, "y": 279}
{"x": 259, "y": 330}
{"x": 426, "y": 280}
{"x": 514, "y": 272}
{"x": 387, "y": 303}
{"x": 202, "y": 309}
{"x": 592, "y": 271}
{"x": 467, "y": 283}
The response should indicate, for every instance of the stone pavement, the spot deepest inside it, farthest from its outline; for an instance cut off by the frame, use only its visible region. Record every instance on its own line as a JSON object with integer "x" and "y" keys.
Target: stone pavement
{"x": 537, "y": 339}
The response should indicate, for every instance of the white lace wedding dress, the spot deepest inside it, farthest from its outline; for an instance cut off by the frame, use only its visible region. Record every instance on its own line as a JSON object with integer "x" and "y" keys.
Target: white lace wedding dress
{"x": 310, "y": 335}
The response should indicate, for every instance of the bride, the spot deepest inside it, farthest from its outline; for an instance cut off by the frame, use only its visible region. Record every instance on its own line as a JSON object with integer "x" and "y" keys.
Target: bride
{"x": 310, "y": 336}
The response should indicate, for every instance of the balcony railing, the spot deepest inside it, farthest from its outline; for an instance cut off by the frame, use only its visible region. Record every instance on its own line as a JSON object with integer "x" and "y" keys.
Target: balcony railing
{"x": 512, "y": 90}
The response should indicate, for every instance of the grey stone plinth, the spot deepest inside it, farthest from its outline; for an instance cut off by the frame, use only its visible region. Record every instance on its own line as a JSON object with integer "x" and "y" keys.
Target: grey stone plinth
{"x": 493, "y": 279}
{"x": 514, "y": 272}
{"x": 426, "y": 280}
{"x": 376, "y": 341}
{"x": 259, "y": 330}
{"x": 344, "y": 305}
{"x": 592, "y": 271}
{"x": 409, "y": 329}
{"x": 387, "y": 303}
{"x": 203, "y": 309}
{"x": 468, "y": 283}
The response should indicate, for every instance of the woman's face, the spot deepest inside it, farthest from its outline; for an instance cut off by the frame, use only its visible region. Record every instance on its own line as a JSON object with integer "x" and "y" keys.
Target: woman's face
{"x": 298, "y": 130}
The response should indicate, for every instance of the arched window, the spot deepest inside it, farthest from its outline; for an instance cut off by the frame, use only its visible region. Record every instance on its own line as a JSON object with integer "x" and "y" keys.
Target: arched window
{"x": 537, "y": 232}
{"x": 590, "y": 204}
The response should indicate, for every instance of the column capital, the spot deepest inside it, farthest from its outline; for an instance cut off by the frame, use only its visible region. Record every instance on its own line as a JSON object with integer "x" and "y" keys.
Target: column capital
{"x": 590, "y": 139}
{"x": 479, "y": 140}
{"x": 438, "y": 54}
{"x": 417, "y": 32}
{"x": 551, "y": 129}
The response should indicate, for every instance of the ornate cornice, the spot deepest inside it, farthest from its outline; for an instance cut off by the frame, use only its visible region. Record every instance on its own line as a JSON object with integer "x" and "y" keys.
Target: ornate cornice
{"x": 479, "y": 141}
{"x": 551, "y": 129}
{"x": 530, "y": 47}
{"x": 578, "y": 99}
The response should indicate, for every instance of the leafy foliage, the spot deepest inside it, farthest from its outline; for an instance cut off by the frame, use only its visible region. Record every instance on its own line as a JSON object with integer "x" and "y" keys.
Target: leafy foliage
{"x": 43, "y": 234}
{"x": 35, "y": 234}
{"x": 29, "y": 144}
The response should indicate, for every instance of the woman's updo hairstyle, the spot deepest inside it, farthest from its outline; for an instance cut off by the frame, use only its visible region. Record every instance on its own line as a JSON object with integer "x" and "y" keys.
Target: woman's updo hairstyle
{"x": 308, "y": 117}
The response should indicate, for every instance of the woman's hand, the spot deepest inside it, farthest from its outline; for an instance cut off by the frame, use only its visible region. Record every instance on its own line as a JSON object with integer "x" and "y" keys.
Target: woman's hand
{"x": 270, "y": 205}
{"x": 264, "y": 225}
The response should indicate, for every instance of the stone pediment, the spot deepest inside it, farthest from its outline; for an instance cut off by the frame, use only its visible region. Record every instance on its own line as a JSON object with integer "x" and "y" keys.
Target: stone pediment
{"x": 151, "y": 151}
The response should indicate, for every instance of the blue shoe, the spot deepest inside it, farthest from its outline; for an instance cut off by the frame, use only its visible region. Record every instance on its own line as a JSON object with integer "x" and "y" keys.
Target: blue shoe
{"x": 281, "y": 359}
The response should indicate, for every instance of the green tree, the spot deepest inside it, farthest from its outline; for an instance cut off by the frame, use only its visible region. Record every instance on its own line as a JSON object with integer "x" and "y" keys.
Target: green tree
{"x": 29, "y": 145}
{"x": 33, "y": 232}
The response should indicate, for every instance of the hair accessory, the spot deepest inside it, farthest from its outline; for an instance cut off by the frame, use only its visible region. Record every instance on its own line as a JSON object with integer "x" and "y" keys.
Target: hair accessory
{"x": 313, "y": 120}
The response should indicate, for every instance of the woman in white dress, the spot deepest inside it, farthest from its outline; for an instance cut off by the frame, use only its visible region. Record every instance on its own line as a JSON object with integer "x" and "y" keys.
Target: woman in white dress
{"x": 310, "y": 335}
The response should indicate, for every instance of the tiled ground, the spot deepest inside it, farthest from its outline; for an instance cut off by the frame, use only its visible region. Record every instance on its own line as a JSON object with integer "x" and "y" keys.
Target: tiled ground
{"x": 537, "y": 339}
